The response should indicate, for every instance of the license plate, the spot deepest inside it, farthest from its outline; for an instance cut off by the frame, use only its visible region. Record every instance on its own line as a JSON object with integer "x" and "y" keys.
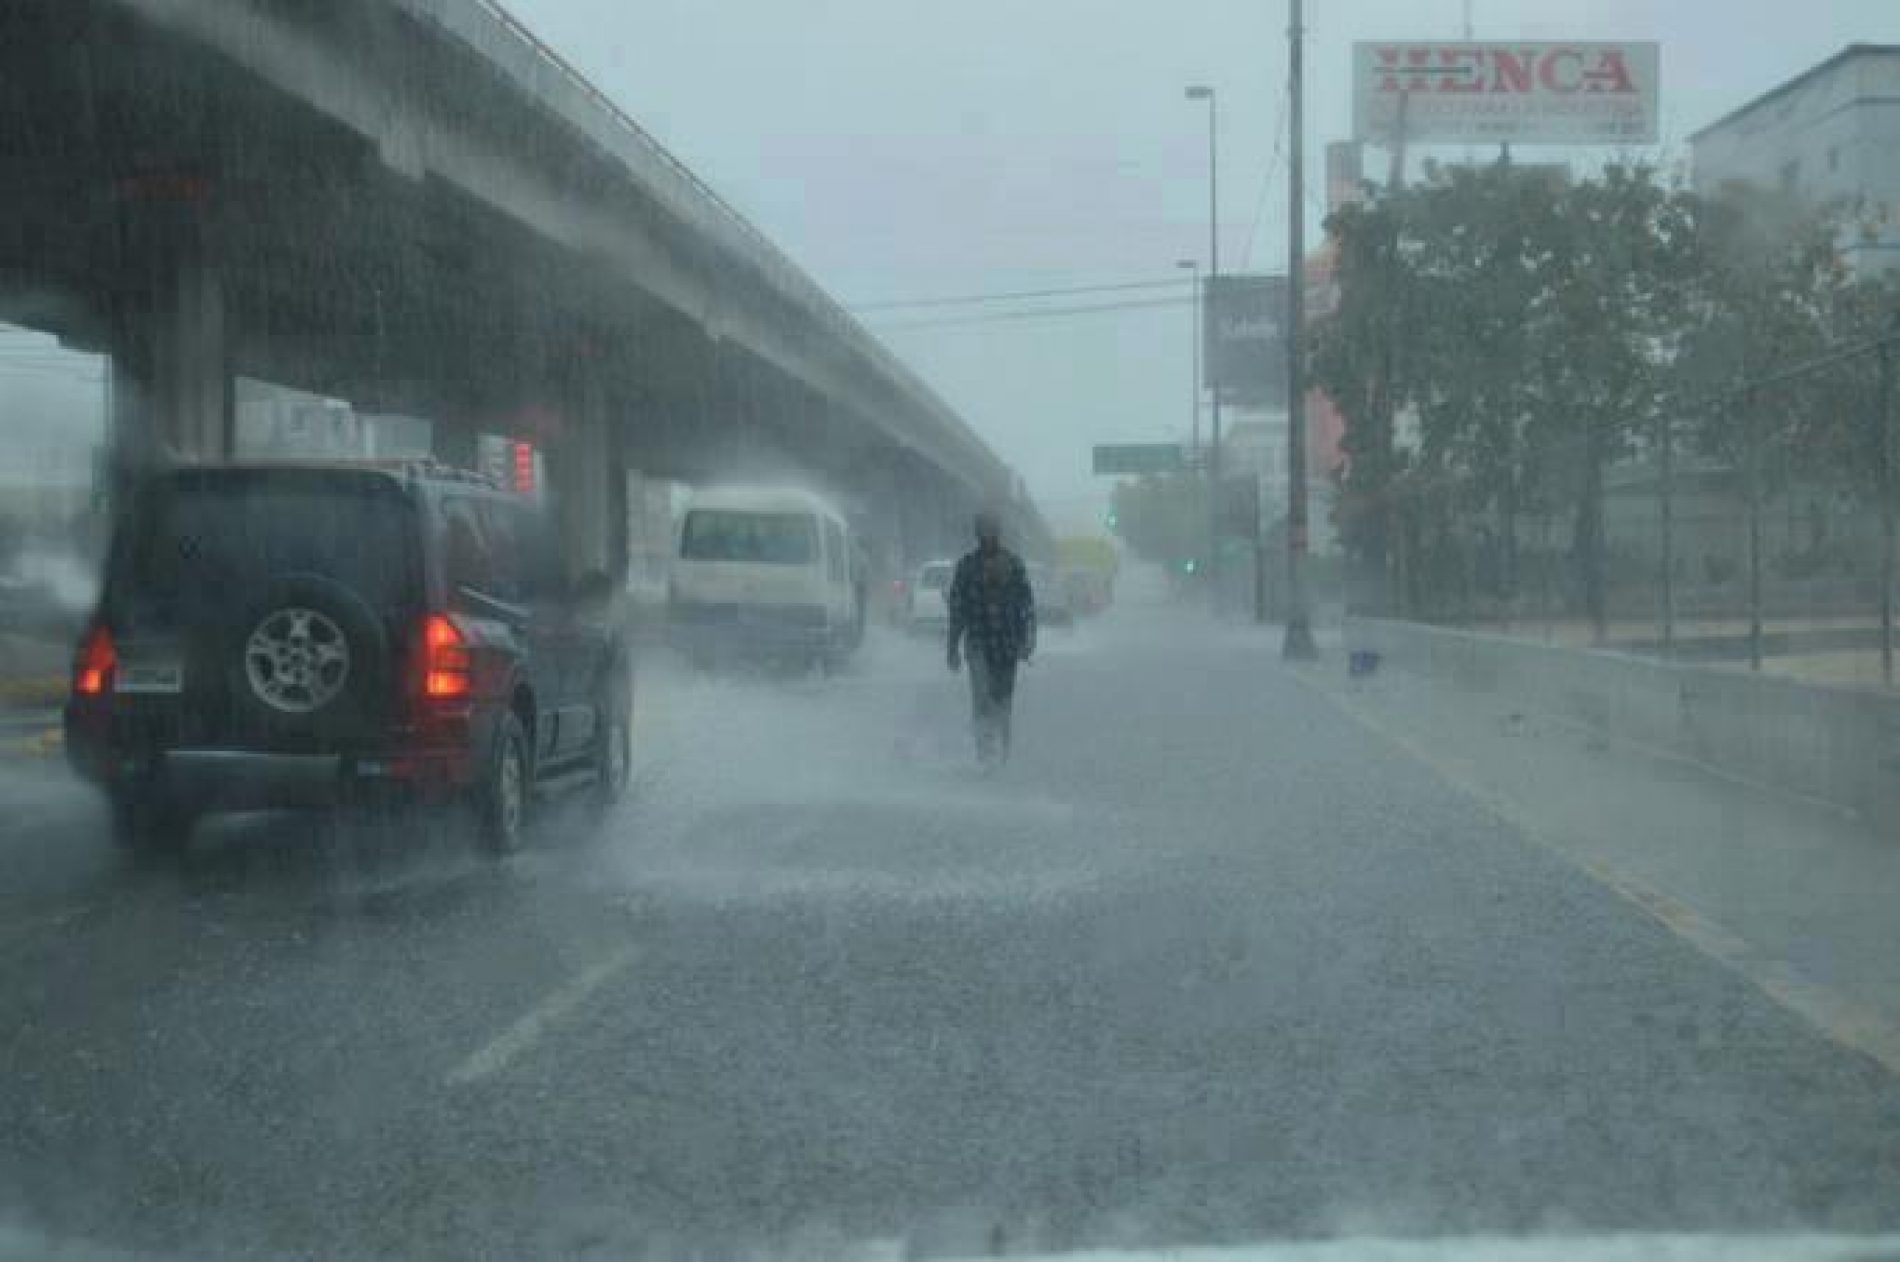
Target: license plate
{"x": 152, "y": 679}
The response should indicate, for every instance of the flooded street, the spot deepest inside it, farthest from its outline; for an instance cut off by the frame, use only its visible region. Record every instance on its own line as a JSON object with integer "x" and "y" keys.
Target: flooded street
{"x": 819, "y": 984}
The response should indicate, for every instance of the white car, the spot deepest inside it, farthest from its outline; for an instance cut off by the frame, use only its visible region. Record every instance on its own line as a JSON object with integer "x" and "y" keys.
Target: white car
{"x": 930, "y": 597}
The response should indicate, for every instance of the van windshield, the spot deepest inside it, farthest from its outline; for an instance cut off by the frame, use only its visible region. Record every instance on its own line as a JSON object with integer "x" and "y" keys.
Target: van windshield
{"x": 751, "y": 538}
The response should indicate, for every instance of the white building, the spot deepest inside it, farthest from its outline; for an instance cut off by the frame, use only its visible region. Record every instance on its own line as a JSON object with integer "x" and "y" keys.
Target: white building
{"x": 1255, "y": 444}
{"x": 1831, "y": 135}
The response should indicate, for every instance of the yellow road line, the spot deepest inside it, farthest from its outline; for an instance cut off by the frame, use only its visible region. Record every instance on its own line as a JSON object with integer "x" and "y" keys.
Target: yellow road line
{"x": 49, "y": 690}
{"x": 44, "y": 744}
{"x": 1840, "y": 1019}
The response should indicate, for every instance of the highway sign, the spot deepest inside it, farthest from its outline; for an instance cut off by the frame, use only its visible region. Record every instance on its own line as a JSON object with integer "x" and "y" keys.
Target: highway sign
{"x": 1130, "y": 458}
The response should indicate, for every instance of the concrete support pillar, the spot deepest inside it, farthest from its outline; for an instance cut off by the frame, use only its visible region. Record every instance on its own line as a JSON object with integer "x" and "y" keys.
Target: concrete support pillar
{"x": 172, "y": 398}
{"x": 954, "y": 517}
{"x": 587, "y": 480}
{"x": 916, "y": 532}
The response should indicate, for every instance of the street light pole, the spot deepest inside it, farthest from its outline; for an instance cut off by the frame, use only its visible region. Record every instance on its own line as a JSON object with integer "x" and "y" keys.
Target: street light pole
{"x": 1298, "y": 644}
{"x": 1194, "y": 266}
{"x": 1201, "y": 92}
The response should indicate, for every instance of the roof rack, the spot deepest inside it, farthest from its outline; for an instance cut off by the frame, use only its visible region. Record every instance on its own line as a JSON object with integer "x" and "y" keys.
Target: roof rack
{"x": 429, "y": 468}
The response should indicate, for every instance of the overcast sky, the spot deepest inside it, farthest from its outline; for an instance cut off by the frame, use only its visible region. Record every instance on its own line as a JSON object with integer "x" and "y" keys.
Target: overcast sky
{"x": 910, "y": 148}
{"x": 905, "y": 149}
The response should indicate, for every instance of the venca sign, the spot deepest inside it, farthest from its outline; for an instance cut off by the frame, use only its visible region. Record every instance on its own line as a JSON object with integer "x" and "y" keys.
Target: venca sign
{"x": 1530, "y": 93}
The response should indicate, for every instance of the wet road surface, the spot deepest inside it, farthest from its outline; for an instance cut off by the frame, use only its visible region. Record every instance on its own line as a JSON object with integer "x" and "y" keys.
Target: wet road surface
{"x": 1209, "y": 962}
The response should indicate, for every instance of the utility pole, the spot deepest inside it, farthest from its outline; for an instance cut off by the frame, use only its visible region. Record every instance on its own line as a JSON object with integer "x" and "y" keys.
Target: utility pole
{"x": 1884, "y": 467}
{"x": 1751, "y": 430}
{"x": 1194, "y": 266}
{"x": 1298, "y": 644}
{"x": 1202, "y": 93}
{"x": 1666, "y": 492}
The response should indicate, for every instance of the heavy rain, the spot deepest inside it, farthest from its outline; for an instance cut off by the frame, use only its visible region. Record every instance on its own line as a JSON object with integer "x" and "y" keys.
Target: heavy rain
{"x": 618, "y": 640}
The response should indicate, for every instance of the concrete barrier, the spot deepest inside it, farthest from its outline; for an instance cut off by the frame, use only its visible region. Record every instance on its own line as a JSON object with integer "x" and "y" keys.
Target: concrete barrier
{"x": 1840, "y": 745}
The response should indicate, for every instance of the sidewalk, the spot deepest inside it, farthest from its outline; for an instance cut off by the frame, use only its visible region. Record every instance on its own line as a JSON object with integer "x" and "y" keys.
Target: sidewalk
{"x": 1840, "y": 650}
{"x": 1802, "y": 900}
{"x": 33, "y": 685}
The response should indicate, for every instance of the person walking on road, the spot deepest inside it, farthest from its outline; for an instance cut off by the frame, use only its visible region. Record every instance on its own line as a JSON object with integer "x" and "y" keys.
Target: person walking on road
{"x": 993, "y": 624}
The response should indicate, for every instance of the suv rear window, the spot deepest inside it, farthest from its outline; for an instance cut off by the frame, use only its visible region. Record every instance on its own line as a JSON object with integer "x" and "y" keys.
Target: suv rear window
{"x": 499, "y": 548}
{"x": 207, "y": 540}
{"x": 754, "y": 538}
{"x": 936, "y": 577}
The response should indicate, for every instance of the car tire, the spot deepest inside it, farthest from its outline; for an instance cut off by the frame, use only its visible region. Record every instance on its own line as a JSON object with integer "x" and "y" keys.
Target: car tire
{"x": 502, "y": 796}
{"x": 613, "y": 759}
{"x": 146, "y": 825}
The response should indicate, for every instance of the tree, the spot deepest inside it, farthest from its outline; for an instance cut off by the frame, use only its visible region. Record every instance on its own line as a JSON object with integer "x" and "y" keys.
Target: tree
{"x": 1162, "y": 517}
{"x": 1359, "y": 357}
{"x": 1534, "y": 327}
{"x": 1483, "y": 255}
{"x": 1622, "y": 251}
{"x": 1769, "y": 291}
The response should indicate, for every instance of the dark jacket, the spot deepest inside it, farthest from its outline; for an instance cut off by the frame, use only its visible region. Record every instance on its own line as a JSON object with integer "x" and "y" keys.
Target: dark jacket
{"x": 993, "y": 606}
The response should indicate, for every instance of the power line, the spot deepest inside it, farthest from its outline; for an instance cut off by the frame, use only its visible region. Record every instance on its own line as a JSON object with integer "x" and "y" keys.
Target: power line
{"x": 1021, "y": 294}
{"x": 1046, "y": 313}
{"x": 1273, "y": 166}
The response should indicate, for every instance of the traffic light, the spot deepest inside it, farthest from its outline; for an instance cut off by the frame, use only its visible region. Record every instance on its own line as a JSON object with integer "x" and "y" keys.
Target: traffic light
{"x": 1113, "y": 519}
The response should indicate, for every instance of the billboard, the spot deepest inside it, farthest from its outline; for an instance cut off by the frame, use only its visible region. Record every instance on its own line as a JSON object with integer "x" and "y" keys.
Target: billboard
{"x": 1246, "y": 338}
{"x": 1529, "y": 92}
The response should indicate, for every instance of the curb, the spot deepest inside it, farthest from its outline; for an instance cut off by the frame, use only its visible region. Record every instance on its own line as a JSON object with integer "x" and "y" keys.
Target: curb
{"x": 45, "y": 690}
{"x": 46, "y": 744}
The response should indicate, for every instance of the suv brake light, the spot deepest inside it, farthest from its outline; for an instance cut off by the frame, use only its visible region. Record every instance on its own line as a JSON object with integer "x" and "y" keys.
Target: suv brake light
{"x": 98, "y": 659}
{"x": 446, "y": 662}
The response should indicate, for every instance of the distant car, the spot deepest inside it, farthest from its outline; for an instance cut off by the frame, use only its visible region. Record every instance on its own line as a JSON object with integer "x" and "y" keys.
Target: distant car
{"x": 930, "y": 597}
{"x": 279, "y": 636}
{"x": 770, "y": 573}
{"x": 1052, "y": 598}
{"x": 896, "y": 603}
{"x": 1089, "y": 590}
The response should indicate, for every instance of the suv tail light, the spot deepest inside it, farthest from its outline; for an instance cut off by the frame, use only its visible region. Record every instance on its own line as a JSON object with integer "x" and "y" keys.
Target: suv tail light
{"x": 97, "y": 660}
{"x": 446, "y": 665}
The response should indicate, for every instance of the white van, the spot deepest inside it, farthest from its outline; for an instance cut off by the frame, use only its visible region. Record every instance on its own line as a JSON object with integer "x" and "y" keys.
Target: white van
{"x": 763, "y": 572}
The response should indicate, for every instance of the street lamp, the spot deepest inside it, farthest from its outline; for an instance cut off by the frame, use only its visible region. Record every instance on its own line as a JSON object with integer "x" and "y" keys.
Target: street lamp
{"x": 1298, "y": 644}
{"x": 1201, "y": 92}
{"x": 1194, "y": 266}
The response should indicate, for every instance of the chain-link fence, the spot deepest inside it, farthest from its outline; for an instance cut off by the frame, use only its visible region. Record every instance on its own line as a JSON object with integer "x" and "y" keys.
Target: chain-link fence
{"x": 1753, "y": 528}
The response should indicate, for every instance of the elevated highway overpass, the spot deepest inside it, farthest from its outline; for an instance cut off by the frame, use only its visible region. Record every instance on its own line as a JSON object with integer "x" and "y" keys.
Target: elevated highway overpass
{"x": 416, "y": 206}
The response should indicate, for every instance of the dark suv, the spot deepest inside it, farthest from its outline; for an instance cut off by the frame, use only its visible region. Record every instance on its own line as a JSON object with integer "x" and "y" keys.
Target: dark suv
{"x": 278, "y": 636}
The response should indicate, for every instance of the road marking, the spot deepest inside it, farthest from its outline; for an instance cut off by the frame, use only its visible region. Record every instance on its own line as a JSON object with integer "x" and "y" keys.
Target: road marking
{"x": 34, "y": 690}
{"x": 1838, "y": 1018}
{"x": 518, "y": 1039}
{"x": 42, "y": 744}
{"x": 23, "y": 929}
